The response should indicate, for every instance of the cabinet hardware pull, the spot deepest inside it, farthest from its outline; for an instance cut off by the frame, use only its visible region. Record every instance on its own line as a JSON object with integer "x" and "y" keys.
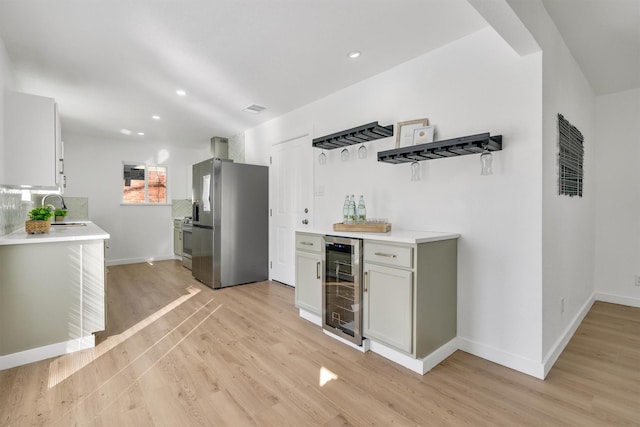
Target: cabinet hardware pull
{"x": 306, "y": 243}
{"x": 366, "y": 278}
{"x": 386, "y": 255}
{"x": 318, "y": 270}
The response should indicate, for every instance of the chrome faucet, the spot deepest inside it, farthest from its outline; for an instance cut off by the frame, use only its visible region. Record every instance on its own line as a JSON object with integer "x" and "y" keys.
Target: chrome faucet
{"x": 63, "y": 206}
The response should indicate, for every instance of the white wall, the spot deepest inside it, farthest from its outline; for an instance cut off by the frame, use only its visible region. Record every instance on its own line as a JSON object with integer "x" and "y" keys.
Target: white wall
{"x": 6, "y": 82}
{"x": 477, "y": 84}
{"x": 618, "y": 209}
{"x": 94, "y": 170}
{"x": 568, "y": 222}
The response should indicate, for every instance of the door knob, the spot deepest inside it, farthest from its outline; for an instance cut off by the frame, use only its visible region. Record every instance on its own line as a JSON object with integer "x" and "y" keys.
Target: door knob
{"x": 305, "y": 221}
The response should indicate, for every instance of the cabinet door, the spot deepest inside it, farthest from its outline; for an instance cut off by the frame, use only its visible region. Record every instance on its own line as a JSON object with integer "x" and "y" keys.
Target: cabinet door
{"x": 93, "y": 288}
{"x": 388, "y": 306}
{"x": 30, "y": 156}
{"x": 177, "y": 241}
{"x": 309, "y": 282}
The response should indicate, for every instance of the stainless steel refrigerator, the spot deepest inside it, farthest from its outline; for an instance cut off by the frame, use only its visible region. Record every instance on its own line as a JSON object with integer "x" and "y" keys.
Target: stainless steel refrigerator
{"x": 230, "y": 223}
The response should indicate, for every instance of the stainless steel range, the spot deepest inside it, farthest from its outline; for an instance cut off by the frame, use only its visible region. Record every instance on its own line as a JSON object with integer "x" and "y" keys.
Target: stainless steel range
{"x": 187, "y": 245}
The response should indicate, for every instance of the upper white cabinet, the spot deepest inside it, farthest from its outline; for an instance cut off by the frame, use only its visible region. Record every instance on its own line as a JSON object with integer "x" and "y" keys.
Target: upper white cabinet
{"x": 33, "y": 152}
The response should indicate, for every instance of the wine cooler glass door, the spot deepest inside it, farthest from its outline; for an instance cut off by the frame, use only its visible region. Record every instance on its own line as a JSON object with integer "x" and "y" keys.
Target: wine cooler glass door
{"x": 342, "y": 292}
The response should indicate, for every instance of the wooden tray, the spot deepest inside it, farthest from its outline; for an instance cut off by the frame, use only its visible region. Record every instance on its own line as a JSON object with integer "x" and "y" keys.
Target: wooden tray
{"x": 366, "y": 228}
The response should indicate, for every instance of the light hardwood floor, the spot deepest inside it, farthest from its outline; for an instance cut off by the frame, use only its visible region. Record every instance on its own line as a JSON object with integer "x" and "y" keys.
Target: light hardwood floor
{"x": 177, "y": 353}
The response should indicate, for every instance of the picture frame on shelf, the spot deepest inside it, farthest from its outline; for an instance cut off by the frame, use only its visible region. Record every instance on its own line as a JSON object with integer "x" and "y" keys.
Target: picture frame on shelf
{"x": 404, "y": 131}
{"x": 423, "y": 135}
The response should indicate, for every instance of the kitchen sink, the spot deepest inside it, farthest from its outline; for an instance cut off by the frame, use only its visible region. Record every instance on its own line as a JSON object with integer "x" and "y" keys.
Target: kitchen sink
{"x": 69, "y": 224}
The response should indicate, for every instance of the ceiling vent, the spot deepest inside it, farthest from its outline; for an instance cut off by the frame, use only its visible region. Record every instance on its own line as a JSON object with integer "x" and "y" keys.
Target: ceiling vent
{"x": 254, "y": 109}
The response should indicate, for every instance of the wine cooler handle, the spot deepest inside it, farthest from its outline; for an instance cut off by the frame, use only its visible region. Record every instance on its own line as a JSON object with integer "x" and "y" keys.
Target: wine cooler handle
{"x": 366, "y": 278}
{"x": 318, "y": 269}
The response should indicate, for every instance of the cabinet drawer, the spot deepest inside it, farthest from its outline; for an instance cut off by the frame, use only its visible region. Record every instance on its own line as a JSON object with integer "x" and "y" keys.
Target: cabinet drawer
{"x": 400, "y": 256}
{"x": 309, "y": 242}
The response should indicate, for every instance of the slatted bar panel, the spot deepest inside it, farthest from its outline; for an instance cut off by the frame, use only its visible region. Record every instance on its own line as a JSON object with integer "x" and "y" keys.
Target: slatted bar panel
{"x": 570, "y": 158}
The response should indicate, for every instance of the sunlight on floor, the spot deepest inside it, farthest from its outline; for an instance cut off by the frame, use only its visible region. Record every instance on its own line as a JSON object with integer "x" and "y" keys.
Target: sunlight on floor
{"x": 326, "y": 376}
{"x": 63, "y": 367}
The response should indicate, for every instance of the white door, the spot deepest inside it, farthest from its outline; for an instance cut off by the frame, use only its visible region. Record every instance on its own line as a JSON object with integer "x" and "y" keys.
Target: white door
{"x": 291, "y": 204}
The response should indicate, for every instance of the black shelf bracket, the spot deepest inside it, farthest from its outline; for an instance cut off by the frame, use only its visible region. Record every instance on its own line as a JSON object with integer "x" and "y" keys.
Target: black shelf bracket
{"x": 448, "y": 148}
{"x": 358, "y": 135}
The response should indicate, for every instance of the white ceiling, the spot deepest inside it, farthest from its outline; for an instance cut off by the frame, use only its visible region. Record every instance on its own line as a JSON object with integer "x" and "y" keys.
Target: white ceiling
{"x": 113, "y": 64}
{"x": 604, "y": 38}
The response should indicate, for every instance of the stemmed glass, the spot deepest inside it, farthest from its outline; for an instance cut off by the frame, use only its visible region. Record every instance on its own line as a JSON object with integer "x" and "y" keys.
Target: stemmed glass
{"x": 486, "y": 161}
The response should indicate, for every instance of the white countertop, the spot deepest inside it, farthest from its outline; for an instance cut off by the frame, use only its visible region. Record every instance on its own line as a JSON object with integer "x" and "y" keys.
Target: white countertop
{"x": 398, "y": 236}
{"x": 57, "y": 233}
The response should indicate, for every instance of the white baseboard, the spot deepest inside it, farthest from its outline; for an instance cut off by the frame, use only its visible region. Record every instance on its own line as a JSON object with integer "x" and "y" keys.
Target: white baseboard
{"x": 436, "y": 357}
{"x": 112, "y": 262}
{"x": 617, "y": 299}
{"x": 420, "y": 366}
{"x": 527, "y": 366}
{"x": 313, "y": 318}
{"x": 558, "y": 347}
{"x": 45, "y": 352}
{"x": 362, "y": 348}
{"x": 501, "y": 357}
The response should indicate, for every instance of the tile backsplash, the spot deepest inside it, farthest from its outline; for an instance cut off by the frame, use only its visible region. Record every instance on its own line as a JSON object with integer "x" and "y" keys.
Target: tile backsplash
{"x": 13, "y": 209}
{"x": 77, "y": 207}
{"x": 16, "y": 204}
{"x": 180, "y": 208}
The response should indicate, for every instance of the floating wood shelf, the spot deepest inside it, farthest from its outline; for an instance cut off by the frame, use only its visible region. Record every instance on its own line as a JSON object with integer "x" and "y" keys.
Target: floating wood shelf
{"x": 358, "y": 135}
{"x": 448, "y": 148}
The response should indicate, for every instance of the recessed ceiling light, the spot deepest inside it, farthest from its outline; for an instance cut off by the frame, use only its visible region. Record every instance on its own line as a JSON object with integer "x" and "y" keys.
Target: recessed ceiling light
{"x": 154, "y": 117}
{"x": 181, "y": 92}
{"x": 354, "y": 54}
{"x": 254, "y": 109}
{"x": 141, "y": 133}
{"x": 125, "y": 131}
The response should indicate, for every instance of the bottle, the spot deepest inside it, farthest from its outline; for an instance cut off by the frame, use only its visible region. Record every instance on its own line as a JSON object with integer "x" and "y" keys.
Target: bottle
{"x": 345, "y": 210}
{"x": 352, "y": 211}
{"x": 361, "y": 212}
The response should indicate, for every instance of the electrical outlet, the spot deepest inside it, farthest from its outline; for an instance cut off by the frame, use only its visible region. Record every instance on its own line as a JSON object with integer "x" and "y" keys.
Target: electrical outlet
{"x": 561, "y": 305}
{"x": 637, "y": 282}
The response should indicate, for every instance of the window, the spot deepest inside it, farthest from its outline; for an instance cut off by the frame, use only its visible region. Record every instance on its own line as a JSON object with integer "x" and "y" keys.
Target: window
{"x": 144, "y": 183}
{"x": 570, "y": 158}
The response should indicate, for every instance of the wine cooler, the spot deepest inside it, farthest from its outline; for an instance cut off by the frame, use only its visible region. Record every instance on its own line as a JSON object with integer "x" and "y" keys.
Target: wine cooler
{"x": 342, "y": 288}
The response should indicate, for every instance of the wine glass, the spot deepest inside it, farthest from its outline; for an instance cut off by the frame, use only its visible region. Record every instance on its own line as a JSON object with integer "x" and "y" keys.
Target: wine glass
{"x": 486, "y": 161}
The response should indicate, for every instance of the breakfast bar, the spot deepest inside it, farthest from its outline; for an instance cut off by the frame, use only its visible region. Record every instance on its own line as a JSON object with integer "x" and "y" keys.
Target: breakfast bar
{"x": 52, "y": 292}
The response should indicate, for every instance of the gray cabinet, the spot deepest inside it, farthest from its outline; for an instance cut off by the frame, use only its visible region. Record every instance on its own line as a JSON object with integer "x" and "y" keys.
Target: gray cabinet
{"x": 50, "y": 293}
{"x": 410, "y": 295}
{"x": 33, "y": 151}
{"x": 388, "y": 305}
{"x": 177, "y": 237}
{"x": 308, "y": 285}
